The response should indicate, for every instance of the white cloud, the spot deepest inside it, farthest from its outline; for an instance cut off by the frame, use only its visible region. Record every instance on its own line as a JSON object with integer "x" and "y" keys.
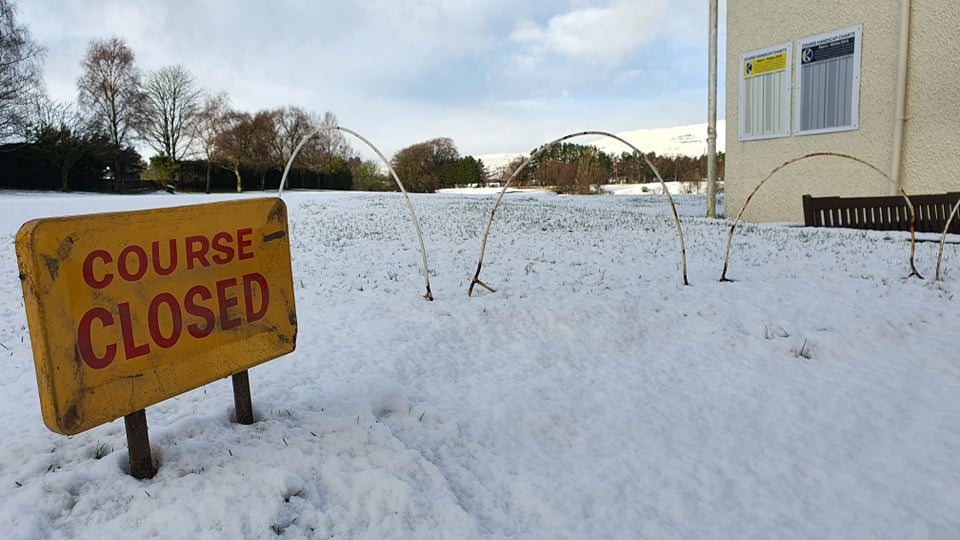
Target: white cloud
{"x": 495, "y": 76}
{"x": 609, "y": 34}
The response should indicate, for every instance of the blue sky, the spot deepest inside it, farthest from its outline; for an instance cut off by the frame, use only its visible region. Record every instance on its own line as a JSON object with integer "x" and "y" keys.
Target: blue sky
{"x": 493, "y": 75}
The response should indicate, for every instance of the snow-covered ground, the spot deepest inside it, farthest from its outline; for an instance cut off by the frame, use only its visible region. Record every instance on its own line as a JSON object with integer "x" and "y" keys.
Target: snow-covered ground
{"x": 592, "y": 396}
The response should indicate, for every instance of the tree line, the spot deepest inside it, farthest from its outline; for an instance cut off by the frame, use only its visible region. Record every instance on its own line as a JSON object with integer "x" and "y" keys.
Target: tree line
{"x": 202, "y": 143}
{"x": 565, "y": 168}
{"x": 579, "y": 169}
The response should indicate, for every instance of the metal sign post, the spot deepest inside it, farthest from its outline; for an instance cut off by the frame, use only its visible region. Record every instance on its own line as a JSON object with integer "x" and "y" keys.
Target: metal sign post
{"x": 138, "y": 444}
{"x": 241, "y": 397}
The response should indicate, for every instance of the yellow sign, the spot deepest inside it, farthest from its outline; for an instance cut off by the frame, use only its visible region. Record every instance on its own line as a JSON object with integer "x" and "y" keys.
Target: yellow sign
{"x": 765, "y": 64}
{"x": 128, "y": 309}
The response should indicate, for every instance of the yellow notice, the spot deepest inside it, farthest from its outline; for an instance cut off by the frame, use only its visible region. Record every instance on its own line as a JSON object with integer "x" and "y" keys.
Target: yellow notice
{"x": 765, "y": 64}
{"x": 128, "y": 309}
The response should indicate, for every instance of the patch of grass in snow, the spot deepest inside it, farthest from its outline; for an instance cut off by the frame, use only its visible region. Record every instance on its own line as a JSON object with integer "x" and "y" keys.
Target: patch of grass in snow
{"x": 803, "y": 351}
{"x": 102, "y": 451}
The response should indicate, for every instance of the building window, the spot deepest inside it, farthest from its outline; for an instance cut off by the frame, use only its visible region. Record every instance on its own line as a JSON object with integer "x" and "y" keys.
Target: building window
{"x": 828, "y": 82}
{"x": 765, "y": 93}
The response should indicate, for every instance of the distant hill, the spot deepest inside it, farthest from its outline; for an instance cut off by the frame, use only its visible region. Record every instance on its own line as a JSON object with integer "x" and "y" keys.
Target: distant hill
{"x": 675, "y": 141}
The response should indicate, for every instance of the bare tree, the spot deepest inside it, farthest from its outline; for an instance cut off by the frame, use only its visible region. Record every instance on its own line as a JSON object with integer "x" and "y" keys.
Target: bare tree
{"x": 523, "y": 177}
{"x": 171, "y": 103}
{"x": 110, "y": 91}
{"x": 560, "y": 174}
{"x": 60, "y": 135}
{"x": 231, "y": 143}
{"x": 244, "y": 142}
{"x": 327, "y": 145}
{"x": 290, "y": 125}
{"x": 261, "y": 136}
{"x": 210, "y": 123}
{"x": 21, "y": 71}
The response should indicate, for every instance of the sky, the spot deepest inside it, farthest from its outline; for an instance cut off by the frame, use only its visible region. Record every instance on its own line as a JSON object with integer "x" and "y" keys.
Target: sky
{"x": 592, "y": 396}
{"x": 495, "y": 76}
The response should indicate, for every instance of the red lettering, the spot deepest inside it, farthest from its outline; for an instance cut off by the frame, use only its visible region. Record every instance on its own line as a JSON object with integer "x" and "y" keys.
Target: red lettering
{"x": 122, "y": 264}
{"x": 130, "y": 348}
{"x": 88, "y": 276}
{"x": 241, "y": 244}
{"x": 226, "y": 303}
{"x": 165, "y": 320}
{"x": 248, "y": 281}
{"x": 85, "y": 341}
{"x": 157, "y": 267}
{"x": 162, "y": 256}
{"x": 197, "y": 248}
{"x": 193, "y": 308}
{"x": 153, "y": 320}
{"x": 221, "y": 244}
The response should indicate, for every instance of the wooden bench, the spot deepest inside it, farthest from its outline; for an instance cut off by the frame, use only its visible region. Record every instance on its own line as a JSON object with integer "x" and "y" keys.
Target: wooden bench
{"x": 882, "y": 213}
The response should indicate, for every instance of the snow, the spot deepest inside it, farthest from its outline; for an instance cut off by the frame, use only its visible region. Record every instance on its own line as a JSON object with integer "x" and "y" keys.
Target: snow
{"x": 690, "y": 140}
{"x": 592, "y": 396}
{"x": 497, "y": 163}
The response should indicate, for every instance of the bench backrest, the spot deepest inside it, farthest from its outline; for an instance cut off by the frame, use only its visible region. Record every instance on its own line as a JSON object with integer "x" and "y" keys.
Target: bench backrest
{"x": 882, "y": 213}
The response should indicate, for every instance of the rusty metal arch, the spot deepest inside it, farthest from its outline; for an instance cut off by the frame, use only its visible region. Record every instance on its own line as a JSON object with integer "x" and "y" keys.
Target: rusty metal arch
{"x": 406, "y": 197}
{"x": 913, "y": 217}
{"x": 486, "y": 233}
{"x": 943, "y": 238}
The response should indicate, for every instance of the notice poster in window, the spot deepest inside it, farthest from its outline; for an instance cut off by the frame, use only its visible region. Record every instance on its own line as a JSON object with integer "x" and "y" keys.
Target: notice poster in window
{"x": 828, "y": 82}
{"x": 765, "y": 93}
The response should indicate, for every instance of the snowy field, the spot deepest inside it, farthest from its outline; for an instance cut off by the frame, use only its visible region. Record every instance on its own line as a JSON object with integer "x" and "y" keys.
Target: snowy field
{"x": 592, "y": 396}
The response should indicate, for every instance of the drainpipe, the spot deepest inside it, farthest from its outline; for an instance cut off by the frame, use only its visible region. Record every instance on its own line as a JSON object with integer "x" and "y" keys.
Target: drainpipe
{"x": 712, "y": 114}
{"x": 903, "y": 50}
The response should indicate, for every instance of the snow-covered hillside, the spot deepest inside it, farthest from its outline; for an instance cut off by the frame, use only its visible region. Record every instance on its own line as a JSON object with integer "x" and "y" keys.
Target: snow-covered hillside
{"x": 688, "y": 140}
{"x": 675, "y": 141}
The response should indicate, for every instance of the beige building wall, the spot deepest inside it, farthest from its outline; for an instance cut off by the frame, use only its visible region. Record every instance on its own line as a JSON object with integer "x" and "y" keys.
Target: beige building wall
{"x": 930, "y": 160}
